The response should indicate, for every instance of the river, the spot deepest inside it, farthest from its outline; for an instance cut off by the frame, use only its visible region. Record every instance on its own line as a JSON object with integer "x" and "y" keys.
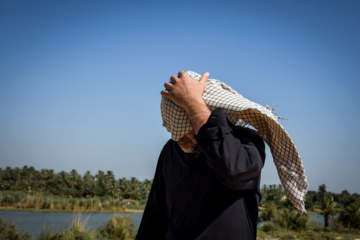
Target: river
{"x": 32, "y": 222}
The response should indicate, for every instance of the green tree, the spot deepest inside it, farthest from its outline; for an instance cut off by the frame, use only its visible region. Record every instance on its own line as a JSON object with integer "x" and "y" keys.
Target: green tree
{"x": 110, "y": 183}
{"x": 76, "y": 185}
{"x": 100, "y": 183}
{"x": 65, "y": 183}
{"x": 350, "y": 216}
{"x": 327, "y": 208}
{"x": 123, "y": 186}
{"x": 322, "y": 191}
{"x": 311, "y": 199}
{"x": 89, "y": 185}
{"x": 268, "y": 212}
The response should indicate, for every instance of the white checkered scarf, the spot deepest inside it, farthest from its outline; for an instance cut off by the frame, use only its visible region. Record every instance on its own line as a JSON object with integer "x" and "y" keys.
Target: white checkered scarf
{"x": 241, "y": 111}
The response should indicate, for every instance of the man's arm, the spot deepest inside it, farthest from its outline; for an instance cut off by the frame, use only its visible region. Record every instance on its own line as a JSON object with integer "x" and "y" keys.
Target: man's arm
{"x": 187, "y": 93}
{"x": 236, "y": 160}
{"x": 236, "y": 157}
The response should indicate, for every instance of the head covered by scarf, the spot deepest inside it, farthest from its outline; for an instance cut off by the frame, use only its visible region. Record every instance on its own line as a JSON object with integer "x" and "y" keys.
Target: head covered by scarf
{"x": 241, "y": 111}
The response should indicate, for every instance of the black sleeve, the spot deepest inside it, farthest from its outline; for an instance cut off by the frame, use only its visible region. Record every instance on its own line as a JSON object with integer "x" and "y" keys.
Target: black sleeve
{"x": 154, "y": 221}
{"x": 236, "y": 157}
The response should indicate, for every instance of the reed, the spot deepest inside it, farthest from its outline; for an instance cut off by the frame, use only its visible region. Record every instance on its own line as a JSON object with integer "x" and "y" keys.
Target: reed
{"x": 122, "y": 227}
{"x": 40, "y": 201}
{"x": 118, "y": 227}
{"x": 46, "y": 232}
{"x": 9, "y": 231}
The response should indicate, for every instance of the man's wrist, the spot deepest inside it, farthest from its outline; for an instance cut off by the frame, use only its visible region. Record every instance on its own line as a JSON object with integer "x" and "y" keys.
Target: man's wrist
{"x": 198, "y": 113}
{"x": 195, "y": 105}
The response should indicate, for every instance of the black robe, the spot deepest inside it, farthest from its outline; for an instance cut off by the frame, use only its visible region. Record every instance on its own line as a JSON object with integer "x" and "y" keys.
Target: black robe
{"x": 213, "y": 195}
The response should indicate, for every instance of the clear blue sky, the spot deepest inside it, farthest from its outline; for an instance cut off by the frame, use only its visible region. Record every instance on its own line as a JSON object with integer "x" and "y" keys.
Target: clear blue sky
{"x": 81, "y": 80}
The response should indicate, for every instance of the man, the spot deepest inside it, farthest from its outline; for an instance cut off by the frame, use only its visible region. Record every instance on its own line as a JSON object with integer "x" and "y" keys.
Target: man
{"x": 207, "y": 179}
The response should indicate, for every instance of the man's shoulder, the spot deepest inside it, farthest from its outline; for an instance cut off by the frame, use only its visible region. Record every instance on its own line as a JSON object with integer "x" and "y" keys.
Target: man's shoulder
{"x": 169, "y": 148}
{"x": 169, "y": 144}
{"x": 248, "y": 135}
{"x": 170, "y": 155}
{"x": 244, "y": 131}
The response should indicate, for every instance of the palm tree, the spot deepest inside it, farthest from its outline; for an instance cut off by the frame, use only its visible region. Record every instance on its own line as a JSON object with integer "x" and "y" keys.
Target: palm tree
{"x": 101, "y": 188}
{"x": 350, "y": 216}
{"x": 76, "y": 183}
{"x": 110, "y": 182}
{"x": 65, "y": 183}
{"x": 45, "y": 178}
{"x": 89, "y": 184}
{"x": 327, "y": 208}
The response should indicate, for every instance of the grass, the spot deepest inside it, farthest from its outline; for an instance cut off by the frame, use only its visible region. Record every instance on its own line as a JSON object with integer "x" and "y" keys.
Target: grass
{"x": 9, "y": 231}
{"x": 272, "y": 231}
{"x": 44, "y": 202}
{"x": 118, "y": 227}
{"x": 305, "y": 235}
{"x": 287, "y": 225}
{"x": 122, "y": 228}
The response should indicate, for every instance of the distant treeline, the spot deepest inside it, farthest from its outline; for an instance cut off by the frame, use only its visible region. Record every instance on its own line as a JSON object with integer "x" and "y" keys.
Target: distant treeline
{"x": 72, "y": 184}
{"x": 276, "y": 195}
{"x": 29, "y": 188}
{"x": 342, "y": 208}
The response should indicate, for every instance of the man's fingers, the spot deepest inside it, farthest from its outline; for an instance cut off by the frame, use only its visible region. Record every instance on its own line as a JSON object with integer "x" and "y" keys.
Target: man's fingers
{"x": 165, "y": 93}
{"x": 204, "y": 78}
{"x": 181, "y": 73}
{"x": 173, "y": 79}
{"x": 168, "y": 86}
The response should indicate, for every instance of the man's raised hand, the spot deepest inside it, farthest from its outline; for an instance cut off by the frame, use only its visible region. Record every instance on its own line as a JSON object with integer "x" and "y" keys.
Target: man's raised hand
{"x": 184, "y": 91}
{"x": 187, "y": 93}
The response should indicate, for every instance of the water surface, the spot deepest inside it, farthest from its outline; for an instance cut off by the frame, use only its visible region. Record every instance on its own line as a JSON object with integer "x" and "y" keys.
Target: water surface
{"x": 31, "y": 222}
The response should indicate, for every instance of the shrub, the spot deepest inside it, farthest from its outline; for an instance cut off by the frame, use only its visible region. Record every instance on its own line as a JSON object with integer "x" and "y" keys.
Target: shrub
{"x": 292, "y": 220}
{"x": 118, "y": 227}
{"x": 8, "y": 231}
{"x": 269, "y": 212}
{"x": 319, "y": 236}
{"x": 316, "y": 226}
{"x": 77, "y": 232}
{"x": 350, "y": 216}
{"x": 45, "y": 232}
{"x": 268, "y": 226}
{"x": 72, "y": 235}
{"x": 288, "y": 236}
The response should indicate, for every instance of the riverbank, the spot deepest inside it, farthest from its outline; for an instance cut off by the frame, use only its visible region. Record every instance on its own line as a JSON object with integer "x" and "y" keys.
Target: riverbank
{"x": 10, "y": 200}
{"x": 69, "y": 226}
{"x": 324, "y": 234}
{"x": 69, "y": 211}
